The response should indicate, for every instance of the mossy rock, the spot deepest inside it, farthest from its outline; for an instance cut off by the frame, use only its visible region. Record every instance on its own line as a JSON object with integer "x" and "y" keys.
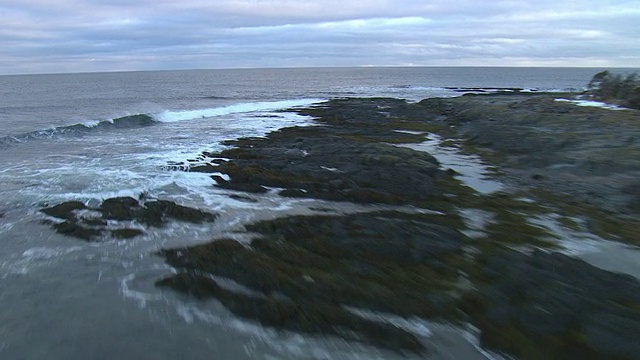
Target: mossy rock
{"x": 551, "y": 306}
{"x": 119, "y": 208}
{"x": 392, "y": 262}
{"x": 282, "y": 313}
{"x": 64, "y": 210}
{"x": 95, "y": 222}
{"x": 72, "y": 228}
{"x": 126, "y": 233}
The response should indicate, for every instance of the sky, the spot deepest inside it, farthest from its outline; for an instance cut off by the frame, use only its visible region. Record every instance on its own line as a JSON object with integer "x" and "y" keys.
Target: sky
{"x": 46, "y": 36}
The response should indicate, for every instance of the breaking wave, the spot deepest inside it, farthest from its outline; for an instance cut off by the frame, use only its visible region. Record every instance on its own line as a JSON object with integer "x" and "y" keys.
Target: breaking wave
{"x": 173, "y": 116}
{"x": 142, "y": 120}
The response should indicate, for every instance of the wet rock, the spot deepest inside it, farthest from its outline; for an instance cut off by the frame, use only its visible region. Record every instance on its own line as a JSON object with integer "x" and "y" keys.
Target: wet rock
{"x": 554, "y": 306}
{"x": 350, "y": 160}
{"x": 64, "y": 210}
{"x": 119, "y": 208}
{"x": 282, "y": 313}
{"x": 400, "y": 236}
{"x": 75, "y": 229}
{"x": 94, "y": 222}
{"x": 154, "y": 213}
{"x": 242, "y": 198}
{"x": 385, "y": 261}
{"x": 613, "y": 335}
{"x": 126, "y": 233}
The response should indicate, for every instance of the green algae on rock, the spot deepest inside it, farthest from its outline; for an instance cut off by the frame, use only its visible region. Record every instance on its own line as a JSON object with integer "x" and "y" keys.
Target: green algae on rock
{"x": 386, "y": 262}
{"x": 551, "y": 306}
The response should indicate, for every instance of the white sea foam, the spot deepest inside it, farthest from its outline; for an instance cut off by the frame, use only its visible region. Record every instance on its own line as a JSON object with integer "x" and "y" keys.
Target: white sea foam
{"x": 173, "y": 116}
{"x": 139, "y": 296}
{"x": 594, "y": 104}
{"x": 284, "y": 343}
{"x": 413, "y": 325}
{"x": 33, "y": 258}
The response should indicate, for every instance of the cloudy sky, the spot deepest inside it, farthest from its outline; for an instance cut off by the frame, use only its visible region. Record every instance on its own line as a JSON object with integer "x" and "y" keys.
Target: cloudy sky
{"x": 43, "y": 36}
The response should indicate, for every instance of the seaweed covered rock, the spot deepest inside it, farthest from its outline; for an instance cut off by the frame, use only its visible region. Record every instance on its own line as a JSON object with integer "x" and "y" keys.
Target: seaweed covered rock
{"x": 334, "y": 168}
{"x": 64, "y": 210}
{"x": 76, "y": 219}
{"x": 282, "y": 313}
{"x": 309, "y": 268}
{"x": 351, "y": 159}
{"x": 552, "y": 306}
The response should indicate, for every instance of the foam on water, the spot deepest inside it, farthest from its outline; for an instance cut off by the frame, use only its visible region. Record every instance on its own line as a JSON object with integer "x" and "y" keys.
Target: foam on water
{"x": 34, "y": 258}
{"x": 592, "y": 103}
{"x": 285, "y": 344}
{"x": 414, "y": 325}
{"x": 173, "y": 116}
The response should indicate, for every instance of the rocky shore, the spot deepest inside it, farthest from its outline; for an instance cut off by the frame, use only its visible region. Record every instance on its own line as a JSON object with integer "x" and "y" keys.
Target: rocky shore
{"x": 441, "y": 251}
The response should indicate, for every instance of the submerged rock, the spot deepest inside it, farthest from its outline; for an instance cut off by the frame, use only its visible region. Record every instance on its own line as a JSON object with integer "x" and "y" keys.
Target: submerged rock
{"x": 76, "y": 229}
{"x": 126, "y": 233}
{"x": 64, "y": 210}
{"x": 93, "y": 223}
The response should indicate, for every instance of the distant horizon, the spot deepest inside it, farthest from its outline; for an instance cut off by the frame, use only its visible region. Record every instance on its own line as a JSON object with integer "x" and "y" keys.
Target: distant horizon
{"x": 330, "y": 67}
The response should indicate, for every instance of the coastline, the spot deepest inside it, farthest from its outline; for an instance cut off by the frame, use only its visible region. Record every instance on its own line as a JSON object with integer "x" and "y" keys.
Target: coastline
{"x": 441, "y": 253}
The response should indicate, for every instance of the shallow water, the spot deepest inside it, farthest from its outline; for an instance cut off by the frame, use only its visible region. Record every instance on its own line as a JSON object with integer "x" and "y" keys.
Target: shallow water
{"x": 470, "y": 169}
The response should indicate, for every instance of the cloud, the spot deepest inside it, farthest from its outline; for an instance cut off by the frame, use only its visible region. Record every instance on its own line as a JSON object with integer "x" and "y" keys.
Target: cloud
{"x": 93, "y": 35}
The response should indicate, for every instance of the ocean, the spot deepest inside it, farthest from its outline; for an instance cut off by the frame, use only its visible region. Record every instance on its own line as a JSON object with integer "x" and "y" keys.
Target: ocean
{"x": 77, "y": 137}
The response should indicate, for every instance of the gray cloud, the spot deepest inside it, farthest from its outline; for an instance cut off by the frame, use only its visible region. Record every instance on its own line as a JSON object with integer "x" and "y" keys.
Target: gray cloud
{"x": 93, "y": 35}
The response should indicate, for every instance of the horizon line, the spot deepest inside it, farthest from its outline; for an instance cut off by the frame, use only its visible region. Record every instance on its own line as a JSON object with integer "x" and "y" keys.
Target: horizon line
{"x": 324, "y": 67}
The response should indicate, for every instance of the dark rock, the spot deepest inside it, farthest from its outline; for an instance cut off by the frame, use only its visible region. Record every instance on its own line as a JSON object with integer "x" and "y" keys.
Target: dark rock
{"x": 126, "y": 233}
{"x": 350, "y": 160}
{"x": 282, "y": 313}
{"x": 205, "y": 168}
{"x": 613, "y": 336}
{"x": 554, "y": 306}
{"x": 154, "y": 213}
{"x": 150, "y": 212}
{"x": 385, "y": 261}
{"x": 64, "y": 210}
{"x": 242, "y": 198}
{"x": 74, "y": 229}
{"x": 292, "y": 193}
{"x": 400, "y": 236}
{"x": 120, "y": 208}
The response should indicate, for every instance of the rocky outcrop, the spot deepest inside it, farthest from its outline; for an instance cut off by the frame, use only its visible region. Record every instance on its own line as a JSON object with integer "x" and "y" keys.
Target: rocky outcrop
{"x": 551, "y": 306}
{"x": 75, "y": 219}
{"x": 305, "y": 270}
{"x": 308, "y": 273}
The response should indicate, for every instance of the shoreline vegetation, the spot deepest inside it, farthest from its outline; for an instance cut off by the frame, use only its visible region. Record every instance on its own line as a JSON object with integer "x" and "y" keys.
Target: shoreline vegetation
{"x": 439, "y": 250}
{"x": 616, "y": 88}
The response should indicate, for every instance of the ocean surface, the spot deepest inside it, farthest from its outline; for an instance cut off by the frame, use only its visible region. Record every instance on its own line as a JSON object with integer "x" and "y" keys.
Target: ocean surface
{"x": 67, "y": 137}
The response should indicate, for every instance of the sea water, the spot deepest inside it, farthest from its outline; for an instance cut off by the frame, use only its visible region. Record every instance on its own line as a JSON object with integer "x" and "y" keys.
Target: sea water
{"x": 69, "y": 137}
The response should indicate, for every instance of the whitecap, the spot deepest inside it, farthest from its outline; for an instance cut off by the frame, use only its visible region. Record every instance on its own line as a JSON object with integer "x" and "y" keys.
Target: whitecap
{"x": 173, "y": 116}
{"x": 592, "y": 103}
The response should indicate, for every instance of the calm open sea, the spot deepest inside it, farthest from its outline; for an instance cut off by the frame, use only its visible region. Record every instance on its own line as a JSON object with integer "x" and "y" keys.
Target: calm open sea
{"x": 61, "y": 298}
